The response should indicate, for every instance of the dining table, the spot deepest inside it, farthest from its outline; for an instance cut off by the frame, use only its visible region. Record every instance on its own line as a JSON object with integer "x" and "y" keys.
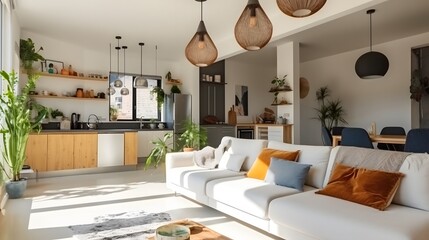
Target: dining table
{"x": 393, "y": 139}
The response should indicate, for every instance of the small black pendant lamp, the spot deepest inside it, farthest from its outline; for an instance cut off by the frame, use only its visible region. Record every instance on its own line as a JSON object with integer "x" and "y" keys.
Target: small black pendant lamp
{"x": 201, "y": 51}
{"x": 253, "y": 29}
{"x": 118, "y": 83}
{"x": 141, "y": 82}
{"x": 124, "y": 90}
{"x": 371, "y": 64}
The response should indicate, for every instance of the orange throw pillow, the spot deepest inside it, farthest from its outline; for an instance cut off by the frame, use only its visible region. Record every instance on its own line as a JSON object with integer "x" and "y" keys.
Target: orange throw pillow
{"x": 372, "y": 188}
{"x": 260, "y": 166}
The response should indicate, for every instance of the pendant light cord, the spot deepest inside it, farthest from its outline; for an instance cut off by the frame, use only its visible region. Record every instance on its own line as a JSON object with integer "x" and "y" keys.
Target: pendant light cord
{"x": 124, "y": 47}
{"x": 141, "y": 60}
{"x": 370, "y": 32}
{"x": 156, "y": 59}
{"x": 201, "y": 10}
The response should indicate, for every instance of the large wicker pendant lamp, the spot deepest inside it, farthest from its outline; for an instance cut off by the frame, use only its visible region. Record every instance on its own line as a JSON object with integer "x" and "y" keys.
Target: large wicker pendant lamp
{"x": 253, "y": 29}
{"x": 201, "y": 50}
{"x": 300, "y": 8}
{"x": 371, "y": 64}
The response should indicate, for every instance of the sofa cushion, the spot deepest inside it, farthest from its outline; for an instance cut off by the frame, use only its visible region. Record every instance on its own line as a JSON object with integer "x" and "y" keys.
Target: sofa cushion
{"x": 414, "y": 188}
{"x": 247, "y": 147}
{"x": 260, "y": 166}
{"x": 247, "y": 194}
{"x": 316, "y": 156}
{"x": 287, "y": 173}
{"x": 335, "y": 219}
{"x": 232, "y": 162}
{"x": 372, "y": 188}
{"x": 195, "y": 178}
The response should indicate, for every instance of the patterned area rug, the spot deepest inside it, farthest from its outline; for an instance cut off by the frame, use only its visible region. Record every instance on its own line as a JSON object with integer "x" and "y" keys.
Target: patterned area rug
{"x": 128, "y": 225}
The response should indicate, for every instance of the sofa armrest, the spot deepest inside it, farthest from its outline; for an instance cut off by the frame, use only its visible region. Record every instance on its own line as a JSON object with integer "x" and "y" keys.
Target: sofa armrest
{"x": 179, "y": 159}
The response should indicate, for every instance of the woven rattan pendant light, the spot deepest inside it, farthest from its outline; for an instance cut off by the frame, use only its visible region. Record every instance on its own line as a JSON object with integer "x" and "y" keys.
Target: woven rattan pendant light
{"x": 371, "y": 64}
{"x": 140, "y": 81}
{"x": 253, "y": 29}
{"x": 300, "y": 8}
{"x": 201, "y": 51}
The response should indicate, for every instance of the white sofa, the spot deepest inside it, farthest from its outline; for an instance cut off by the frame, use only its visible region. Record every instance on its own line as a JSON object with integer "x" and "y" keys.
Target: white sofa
{"x": 291, "y": 214}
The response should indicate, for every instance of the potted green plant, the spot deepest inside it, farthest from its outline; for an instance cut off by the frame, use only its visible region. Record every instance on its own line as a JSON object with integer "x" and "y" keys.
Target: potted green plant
{"x": 152, "y": 123}
{"x": 28, "y": 54}
{"x": 159, "y": 95}
{"x": 113, "y": 113}
{"x": 15, "y": 129}
{"x": 57, "y": 114}
{"x": 160, "y": 150}
{"x": 193, "y": 137}
{"x": 330, "y": 112}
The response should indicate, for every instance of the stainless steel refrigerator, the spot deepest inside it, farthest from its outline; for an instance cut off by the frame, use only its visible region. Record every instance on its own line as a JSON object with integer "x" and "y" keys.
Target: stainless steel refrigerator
{"x": 178, "y": 108}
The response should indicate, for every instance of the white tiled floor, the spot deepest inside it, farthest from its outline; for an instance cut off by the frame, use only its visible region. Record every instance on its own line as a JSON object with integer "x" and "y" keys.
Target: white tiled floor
{"x": 50, "y": 205}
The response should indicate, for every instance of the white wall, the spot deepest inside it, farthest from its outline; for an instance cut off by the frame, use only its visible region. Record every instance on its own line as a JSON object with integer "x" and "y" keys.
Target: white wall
{"x": 385, "y": 101}
{"x": 258, "y": 79}
{"x": 88, "y": 61}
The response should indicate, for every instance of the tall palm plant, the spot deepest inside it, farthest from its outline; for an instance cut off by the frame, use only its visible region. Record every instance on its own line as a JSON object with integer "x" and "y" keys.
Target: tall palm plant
{"x": 330, "y": 112}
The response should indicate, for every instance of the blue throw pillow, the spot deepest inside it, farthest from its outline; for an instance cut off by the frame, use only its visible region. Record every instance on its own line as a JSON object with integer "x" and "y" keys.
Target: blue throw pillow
{"x": 287, "y": 173}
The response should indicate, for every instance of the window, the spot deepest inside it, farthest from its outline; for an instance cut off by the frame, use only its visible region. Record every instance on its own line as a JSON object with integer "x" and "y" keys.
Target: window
{"x": 139, "y": 102}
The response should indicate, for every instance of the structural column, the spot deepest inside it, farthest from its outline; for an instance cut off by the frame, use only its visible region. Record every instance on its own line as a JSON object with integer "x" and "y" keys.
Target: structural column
{"x": 288, "y": 64}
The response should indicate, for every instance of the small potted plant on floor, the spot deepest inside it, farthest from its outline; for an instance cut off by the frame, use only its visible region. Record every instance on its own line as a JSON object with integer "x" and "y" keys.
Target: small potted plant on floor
{"x": 15, "y": 128}
{"x": 160, "y": 150}
{"x": 193, "y": 137}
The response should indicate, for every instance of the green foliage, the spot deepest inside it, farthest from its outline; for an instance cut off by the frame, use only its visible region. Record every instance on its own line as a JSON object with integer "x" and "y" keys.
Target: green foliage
{"x": 28, "y": 53}
{"x": 193, "y": 136}
{"x": 17, "y": 124}
{"x": 175, "y": 89}
{"x": 419, "y": 85}
{"x": 279, "y": 82}
{"x": 56, "y": 113}
{"x": 159, "y": 95}
{"x": 330, "y": 113}
{"x": 159, "y": 151}
{"x": 168, "y": 75}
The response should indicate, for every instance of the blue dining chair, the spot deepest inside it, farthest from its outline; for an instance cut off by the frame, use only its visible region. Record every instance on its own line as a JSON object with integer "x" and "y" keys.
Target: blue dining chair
{"x": 326, "y": 137}
{"x": 356, "y": 137}
{"x": 417, "y": 141}
{"x": 337, "y": 130}
{"x": 392, "y": 131}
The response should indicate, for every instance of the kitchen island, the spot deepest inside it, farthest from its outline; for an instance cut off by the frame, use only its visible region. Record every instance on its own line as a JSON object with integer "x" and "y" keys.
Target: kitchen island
{"x": 86, "y": 151}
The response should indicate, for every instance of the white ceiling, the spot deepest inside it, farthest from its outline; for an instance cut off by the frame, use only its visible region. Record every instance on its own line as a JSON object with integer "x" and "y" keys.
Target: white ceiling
{"x": 340, "y": 26}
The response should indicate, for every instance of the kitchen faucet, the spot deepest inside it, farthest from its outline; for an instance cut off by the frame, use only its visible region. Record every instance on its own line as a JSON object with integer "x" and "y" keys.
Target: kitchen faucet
{"x": 92, "y": 125}
{"x": 141, "y": 122}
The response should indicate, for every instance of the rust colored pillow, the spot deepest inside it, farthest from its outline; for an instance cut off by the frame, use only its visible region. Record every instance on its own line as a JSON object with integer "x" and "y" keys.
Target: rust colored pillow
{"x": 372, "y": 188}
{"x": 260, "y": 166}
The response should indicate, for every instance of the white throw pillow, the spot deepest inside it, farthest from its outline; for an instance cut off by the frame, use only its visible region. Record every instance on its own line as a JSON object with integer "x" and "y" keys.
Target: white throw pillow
{"x": 231, "y": 161}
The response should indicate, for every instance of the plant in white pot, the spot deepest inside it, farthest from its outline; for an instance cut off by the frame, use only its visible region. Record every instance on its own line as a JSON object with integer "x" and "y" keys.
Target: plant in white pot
{"x": 16, "y": 126}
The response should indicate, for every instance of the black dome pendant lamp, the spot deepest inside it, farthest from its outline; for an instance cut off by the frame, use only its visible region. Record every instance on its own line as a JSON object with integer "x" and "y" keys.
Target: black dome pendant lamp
{"x": 124, "y": 90}
{"x": 371, "y": 64}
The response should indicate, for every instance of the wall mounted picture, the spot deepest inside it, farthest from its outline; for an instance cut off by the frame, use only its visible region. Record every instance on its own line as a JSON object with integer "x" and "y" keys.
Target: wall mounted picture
{"x": 241, "y": 100}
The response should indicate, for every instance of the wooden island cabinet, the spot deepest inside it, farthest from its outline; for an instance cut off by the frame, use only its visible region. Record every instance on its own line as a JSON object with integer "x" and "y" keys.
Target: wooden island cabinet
{"x": 52, "y": 151}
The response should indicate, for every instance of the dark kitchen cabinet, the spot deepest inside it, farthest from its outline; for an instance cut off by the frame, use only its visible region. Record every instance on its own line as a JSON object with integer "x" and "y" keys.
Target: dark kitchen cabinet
{"x": 212, "y": 92}
{"x": 216, "y": 132}
{"x": 212, "y": 101}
